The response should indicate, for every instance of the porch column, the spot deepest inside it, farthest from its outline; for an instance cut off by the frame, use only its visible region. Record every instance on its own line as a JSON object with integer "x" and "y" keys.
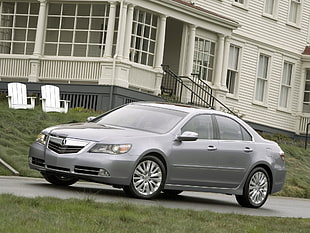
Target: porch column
{"x": 225, "y": 62}
{"x": 121, "y": 30}
{"x": 219, "y": 62}
{"x": 110, "y": 31}
{"x": 40, "y": 29}
{"x": 37, "y": 51}
{"x": 160, "y": 41}
{"x": 190, "y": 49}
{"x": 128, "y": 32}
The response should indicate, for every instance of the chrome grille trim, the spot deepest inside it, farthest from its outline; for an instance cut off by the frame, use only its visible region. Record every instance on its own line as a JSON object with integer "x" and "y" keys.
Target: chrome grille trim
{"x": 62, "y": 145}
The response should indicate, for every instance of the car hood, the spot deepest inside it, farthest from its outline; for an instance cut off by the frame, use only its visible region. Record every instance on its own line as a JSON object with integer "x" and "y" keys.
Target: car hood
{"x": 94, "y": 132}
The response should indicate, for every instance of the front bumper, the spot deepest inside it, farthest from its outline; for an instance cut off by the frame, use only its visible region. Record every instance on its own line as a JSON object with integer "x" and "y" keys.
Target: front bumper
{"x": 97, "y": 167}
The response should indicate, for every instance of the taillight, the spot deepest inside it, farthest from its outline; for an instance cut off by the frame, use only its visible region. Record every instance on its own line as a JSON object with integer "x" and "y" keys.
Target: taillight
{"x": 282, "y": 155}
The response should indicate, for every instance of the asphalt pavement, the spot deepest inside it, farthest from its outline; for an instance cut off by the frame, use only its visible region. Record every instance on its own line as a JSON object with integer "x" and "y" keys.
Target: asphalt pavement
{"x": 220, "y": 203}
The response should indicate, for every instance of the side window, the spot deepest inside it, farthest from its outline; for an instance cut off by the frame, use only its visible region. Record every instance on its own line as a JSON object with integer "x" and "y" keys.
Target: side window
{"x": 202, "y": 125}
{"x": 231, "y": 130}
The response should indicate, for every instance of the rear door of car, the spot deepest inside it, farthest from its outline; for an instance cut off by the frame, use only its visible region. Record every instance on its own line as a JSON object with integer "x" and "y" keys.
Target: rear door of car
{"x": 234, "y": 153}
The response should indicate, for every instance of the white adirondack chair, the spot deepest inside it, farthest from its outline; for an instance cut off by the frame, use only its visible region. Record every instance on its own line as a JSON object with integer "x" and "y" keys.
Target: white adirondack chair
{"x": 51, "y": 101}
{"x": 17, "y": 96}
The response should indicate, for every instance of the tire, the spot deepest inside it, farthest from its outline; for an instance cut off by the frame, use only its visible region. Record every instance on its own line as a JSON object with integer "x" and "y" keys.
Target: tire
{"x": 256, "y": 189}
{"x": 148, "y": 179}
{"x": 60, "y": 180}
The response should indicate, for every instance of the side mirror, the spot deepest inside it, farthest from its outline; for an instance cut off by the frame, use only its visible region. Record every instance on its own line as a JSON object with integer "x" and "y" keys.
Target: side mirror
{"x": 89, "y": 119}
{"x": 188, "y": 136}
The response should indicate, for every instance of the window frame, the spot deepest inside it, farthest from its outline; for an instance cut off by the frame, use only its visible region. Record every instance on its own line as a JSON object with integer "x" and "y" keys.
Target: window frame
{"x": 74, "y": 19}
{"x": 207, "y": 73}
{"x": 306, "y": 79}
{"x": 142, "y": 52}
{"x": 241, "y": 4}
{"x": 275, "y": 7}
{"x": 287, "y": 86}
{"x": 236, "y": 71}
{"x": 11, "y": 43}
{"x": 265, "y": 79}
{"x": 298, "y": 13}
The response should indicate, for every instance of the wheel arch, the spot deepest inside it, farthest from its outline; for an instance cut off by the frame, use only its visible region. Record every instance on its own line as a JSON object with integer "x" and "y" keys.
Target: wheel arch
{"x": 157, "y": 155}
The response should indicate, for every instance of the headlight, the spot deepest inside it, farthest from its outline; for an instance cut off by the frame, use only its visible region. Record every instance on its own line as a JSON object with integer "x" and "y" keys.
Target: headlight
{"x": 110, "y": 148}
{"x": 41, "y": 138}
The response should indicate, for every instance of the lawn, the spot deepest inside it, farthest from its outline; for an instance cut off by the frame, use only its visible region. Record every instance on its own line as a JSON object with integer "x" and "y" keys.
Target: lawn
{"x": 51, "y": 215}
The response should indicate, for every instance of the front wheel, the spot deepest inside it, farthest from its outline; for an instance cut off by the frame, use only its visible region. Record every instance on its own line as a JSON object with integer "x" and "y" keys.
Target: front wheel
{"x": 148, "y": 178}
{"x": 59, "y": 179}
{"x": 256, "y": 189}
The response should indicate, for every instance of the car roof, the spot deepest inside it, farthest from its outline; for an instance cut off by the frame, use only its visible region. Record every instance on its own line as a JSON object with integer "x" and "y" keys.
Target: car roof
{"x": 181, "y": 107}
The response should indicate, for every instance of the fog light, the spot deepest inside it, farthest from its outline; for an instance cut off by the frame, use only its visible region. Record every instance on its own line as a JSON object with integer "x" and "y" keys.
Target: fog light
{"x": 103, "y": 172}
{"x": 30, "y": 159}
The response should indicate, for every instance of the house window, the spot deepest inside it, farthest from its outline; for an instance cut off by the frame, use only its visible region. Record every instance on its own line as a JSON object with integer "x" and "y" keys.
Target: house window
{"x": 76, "y": 29}
{"x": 306, "y": 103}
{"x": 240, "y": 3}
{"x": 233, "y": 69}
{"x": 143, "y": 37}
{"x": 262, "y": 77}
{"x": 294, "y": 12}
{"x": 18, "y": 25}
{"x": 286, "y": 84}
{"x": 204, "y": 53}
{"x": 271, "y": 8}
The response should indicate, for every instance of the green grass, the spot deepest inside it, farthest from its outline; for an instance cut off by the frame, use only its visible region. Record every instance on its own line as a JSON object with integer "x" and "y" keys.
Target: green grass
{"x": 19, "y": 128}
{"x": 50, "y": 215}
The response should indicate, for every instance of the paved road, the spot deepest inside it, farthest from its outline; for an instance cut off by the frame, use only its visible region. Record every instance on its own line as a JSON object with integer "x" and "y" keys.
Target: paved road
{"x": 275, "y": 206}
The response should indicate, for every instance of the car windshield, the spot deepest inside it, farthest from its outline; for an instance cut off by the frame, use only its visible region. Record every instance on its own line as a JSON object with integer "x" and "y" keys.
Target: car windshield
{"x": 141, "y": 117}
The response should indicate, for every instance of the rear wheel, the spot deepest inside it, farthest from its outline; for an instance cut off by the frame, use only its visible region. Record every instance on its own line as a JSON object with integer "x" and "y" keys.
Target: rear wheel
{"x": 148, "y": 178}
{"x": 59, "y": 179}
{"x": 256, "y": 189}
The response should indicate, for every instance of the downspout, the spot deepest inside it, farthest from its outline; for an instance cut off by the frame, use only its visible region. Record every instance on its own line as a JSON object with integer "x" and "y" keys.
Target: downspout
{"x": 116, "y": 54}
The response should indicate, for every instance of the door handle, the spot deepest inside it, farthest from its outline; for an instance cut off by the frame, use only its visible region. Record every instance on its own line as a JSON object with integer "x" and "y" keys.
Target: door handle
{"x": 212, "y": 148}
{"x": 248, "y": 149}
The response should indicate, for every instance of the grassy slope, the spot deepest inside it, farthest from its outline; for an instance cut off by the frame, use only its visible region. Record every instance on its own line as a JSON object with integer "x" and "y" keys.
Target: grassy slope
{"x": 19, "y": 128}
{"x": 47, "y": 215}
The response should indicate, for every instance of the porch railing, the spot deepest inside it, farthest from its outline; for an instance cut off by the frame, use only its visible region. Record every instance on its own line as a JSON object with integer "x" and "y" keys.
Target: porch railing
{"x": 70, "y": 70}
{"x": 14, "y": 67}
{"x": 201, "y": 94}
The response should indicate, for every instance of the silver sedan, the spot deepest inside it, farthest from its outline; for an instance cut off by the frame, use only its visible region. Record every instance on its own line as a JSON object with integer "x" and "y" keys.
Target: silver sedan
{"x": 149, "y": 148}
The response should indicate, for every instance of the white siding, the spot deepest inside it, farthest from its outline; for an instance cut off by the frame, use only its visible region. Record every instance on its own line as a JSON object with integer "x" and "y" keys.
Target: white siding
{"x": 258, "y": 32}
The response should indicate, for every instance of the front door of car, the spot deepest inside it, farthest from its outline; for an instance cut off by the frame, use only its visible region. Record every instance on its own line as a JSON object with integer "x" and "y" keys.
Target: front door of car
{"x": 190, "y": 160}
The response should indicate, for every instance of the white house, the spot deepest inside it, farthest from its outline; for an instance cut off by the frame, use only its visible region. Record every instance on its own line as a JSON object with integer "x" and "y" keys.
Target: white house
{"x": 252, "y": 53}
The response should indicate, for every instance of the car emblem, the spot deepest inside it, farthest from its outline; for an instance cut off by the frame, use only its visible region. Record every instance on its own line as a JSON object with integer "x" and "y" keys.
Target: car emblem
{"x": 63, "y": 142}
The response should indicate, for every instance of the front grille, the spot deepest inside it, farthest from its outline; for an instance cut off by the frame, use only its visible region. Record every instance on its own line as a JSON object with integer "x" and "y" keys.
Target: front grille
{"x": 62, "y": 145}
{"x": 86, "y": 170}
